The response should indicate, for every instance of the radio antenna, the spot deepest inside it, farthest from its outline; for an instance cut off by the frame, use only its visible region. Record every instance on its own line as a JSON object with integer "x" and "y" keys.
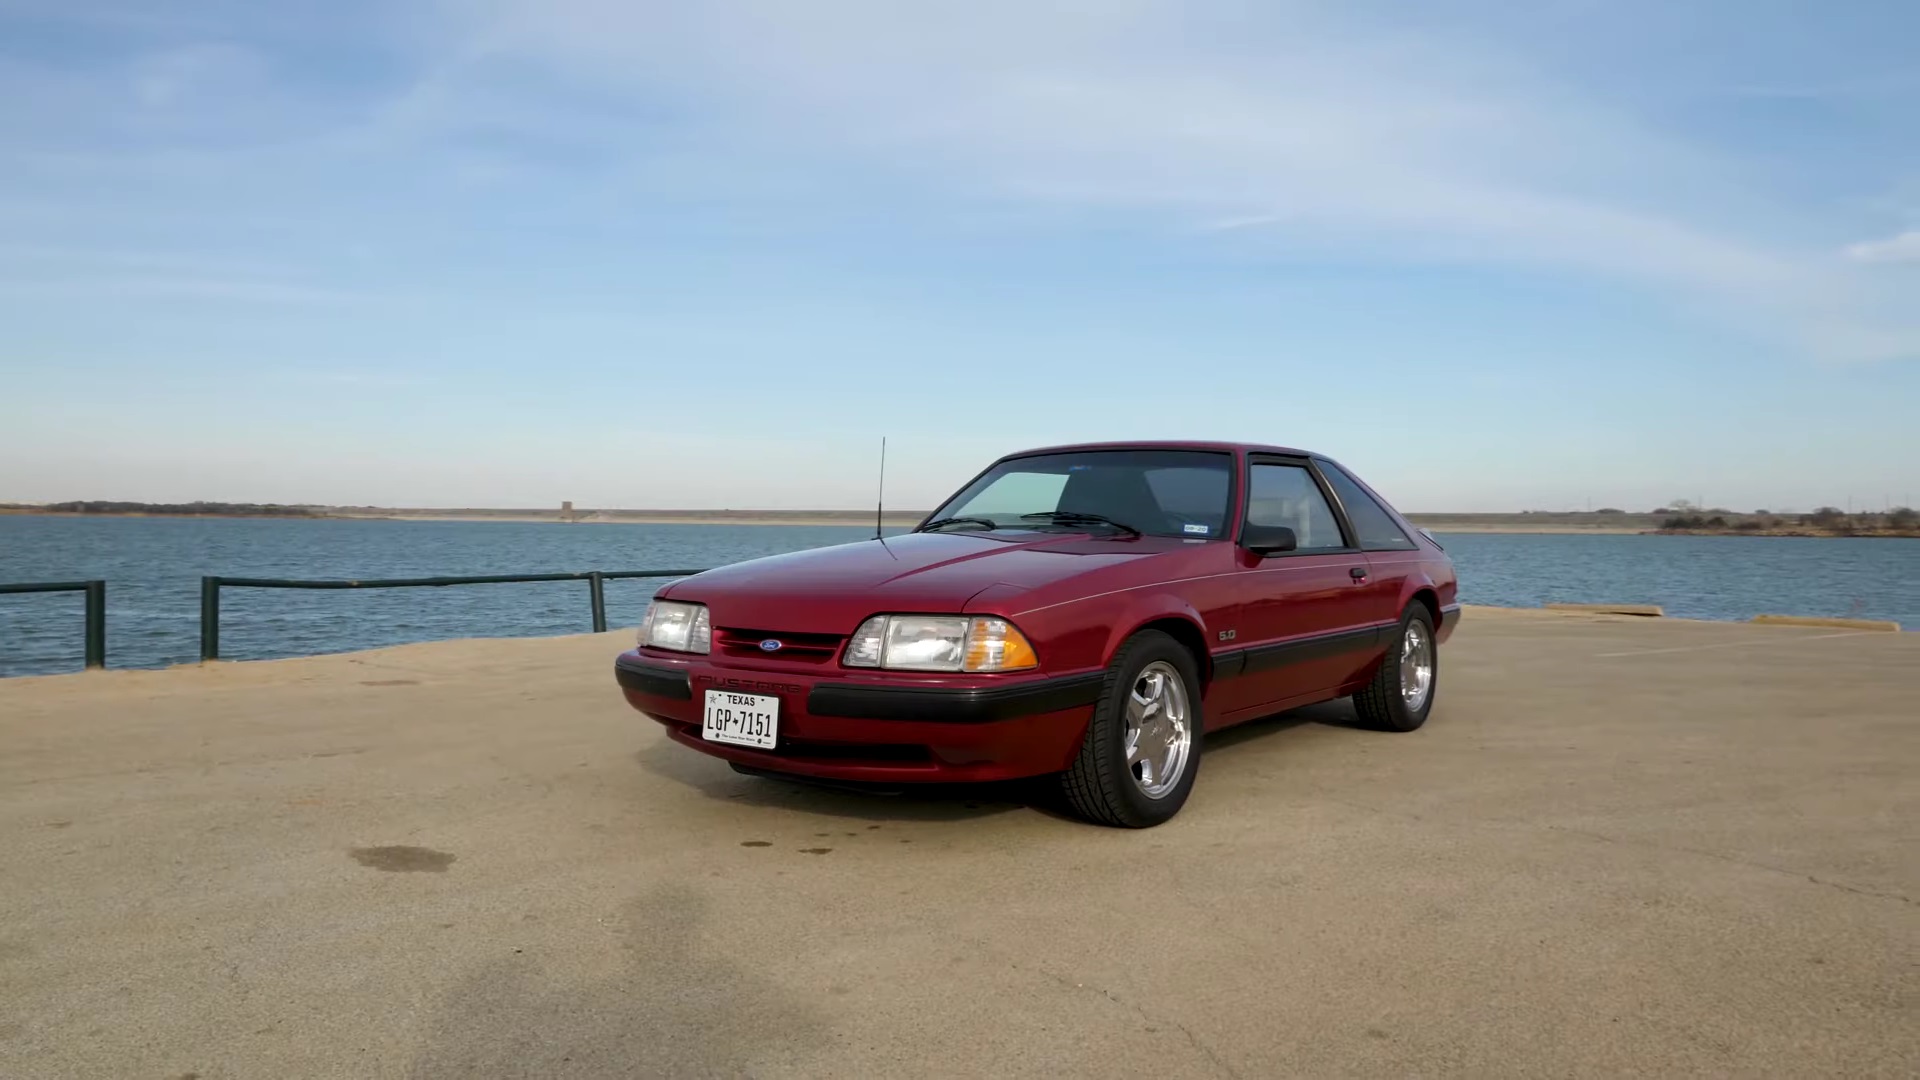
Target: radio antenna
{"x": 880, "y": 502}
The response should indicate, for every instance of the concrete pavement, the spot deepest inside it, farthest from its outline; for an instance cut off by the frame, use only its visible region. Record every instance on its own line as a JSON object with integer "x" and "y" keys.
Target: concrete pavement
{"x": 1620, "y": 846}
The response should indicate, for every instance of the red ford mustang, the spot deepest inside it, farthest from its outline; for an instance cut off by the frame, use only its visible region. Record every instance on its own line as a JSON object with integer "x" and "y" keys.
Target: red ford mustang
{"x": 1087, "y": 611}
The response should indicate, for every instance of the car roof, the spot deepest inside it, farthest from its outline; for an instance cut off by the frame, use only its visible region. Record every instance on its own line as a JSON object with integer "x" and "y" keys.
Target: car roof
{"x": 1169, "y": 444}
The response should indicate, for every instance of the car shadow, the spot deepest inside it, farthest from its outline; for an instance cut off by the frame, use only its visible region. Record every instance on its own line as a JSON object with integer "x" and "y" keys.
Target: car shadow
{"x": 918, "y": 802}
{"x": 928, "y": 802}
{"x": 1337, "y": 713}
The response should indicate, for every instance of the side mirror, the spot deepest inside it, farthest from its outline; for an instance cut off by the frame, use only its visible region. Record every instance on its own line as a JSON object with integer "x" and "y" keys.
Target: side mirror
{"x": 1266, "y": 540}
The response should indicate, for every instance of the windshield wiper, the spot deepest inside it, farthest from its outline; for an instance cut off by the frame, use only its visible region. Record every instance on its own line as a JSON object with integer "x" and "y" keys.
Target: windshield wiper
{"x": 1075, "y": 517}
{"x": 941, "y": 523}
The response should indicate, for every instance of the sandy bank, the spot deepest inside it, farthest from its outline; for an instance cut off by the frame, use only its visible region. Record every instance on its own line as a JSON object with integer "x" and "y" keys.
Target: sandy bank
{"x": 1537, "y": 530}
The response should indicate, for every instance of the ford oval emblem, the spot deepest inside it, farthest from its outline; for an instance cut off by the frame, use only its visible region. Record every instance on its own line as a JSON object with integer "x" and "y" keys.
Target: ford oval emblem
{"x": 770, "y": 645}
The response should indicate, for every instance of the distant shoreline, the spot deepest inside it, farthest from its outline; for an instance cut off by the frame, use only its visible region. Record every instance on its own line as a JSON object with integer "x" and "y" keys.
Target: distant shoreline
{"x": 894, "y": 518}
{"x": 642, "y": 517}
{"x": 1825, "y": 524}
{"x": 15, "y": 511}
{"x": 1522, "y": 524}
{"x": 1805, "y": 534}
{"x": 1531, "y": 530}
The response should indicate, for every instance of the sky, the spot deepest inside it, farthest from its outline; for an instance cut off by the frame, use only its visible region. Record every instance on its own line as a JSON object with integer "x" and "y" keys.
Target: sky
{"x": 1492, "y": 256}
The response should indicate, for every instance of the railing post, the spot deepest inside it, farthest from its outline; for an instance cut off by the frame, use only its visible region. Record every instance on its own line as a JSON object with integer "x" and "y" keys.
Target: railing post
{"x": 596, "y": 586}
{"x": 209, "y": 619}
{"x": 96, "y": 624}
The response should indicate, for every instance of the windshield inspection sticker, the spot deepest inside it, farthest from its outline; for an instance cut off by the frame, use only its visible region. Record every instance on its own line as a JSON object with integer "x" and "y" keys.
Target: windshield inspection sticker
{"x": 1197, "y": 530}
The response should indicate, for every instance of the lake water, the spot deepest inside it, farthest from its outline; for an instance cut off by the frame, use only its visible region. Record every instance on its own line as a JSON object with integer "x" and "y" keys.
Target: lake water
{"x": 153, "y": 565}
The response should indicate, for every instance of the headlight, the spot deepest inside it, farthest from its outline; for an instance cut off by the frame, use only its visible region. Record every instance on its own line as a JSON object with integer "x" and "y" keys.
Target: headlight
{"x": 939, "y": 643}
{"x": 670, "y": 624}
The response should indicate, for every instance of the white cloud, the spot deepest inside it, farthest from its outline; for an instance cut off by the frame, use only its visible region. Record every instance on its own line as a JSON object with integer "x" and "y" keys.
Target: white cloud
{"x": 1904, "y": 247}
{"x": 78, "y": 271}
{"x": 1286, "y": 125}
{"x": 54, "y": 259}
{"x": 1284, "y": 120}
{"x": 177, "y": 287}
{"x": 354, "y": 378}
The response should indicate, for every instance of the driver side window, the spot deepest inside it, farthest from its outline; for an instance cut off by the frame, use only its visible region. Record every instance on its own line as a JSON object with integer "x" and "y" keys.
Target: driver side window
{"x": 1286, "y": 495}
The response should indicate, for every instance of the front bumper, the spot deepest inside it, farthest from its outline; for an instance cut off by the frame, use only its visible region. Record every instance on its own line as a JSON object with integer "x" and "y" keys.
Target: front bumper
{"x": 841, "y": 726}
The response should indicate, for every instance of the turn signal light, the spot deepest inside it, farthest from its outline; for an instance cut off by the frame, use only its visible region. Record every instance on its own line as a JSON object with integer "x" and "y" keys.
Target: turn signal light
{"x": 994, "y": 645}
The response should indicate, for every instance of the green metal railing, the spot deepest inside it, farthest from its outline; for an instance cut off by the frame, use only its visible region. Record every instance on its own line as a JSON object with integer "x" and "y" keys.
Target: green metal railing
{"x": 596, "y": 580}
{"x": 96, "y": 611}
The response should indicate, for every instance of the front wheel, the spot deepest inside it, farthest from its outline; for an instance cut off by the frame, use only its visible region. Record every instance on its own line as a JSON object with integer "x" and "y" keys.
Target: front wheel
{"x": 1142, "y": 748}
{"x": 1401, "y": 693}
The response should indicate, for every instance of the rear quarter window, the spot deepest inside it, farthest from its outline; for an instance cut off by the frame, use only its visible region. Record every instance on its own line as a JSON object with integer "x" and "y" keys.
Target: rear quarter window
{"x": 1376, "y": 529}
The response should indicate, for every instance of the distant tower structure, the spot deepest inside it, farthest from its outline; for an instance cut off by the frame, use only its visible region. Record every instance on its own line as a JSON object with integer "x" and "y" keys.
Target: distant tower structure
{"x": 566, "y": 510}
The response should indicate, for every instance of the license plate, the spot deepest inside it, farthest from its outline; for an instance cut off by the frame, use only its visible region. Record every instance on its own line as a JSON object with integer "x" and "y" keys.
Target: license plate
{"x": 742, "y": 719}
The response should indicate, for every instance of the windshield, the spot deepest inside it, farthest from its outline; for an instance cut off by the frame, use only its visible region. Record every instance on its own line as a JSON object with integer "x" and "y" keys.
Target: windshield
{"x": 1155, "y": 492}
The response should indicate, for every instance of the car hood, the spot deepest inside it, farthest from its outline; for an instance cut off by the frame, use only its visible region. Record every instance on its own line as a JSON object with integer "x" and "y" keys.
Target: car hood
{"x": 830, "y": 590}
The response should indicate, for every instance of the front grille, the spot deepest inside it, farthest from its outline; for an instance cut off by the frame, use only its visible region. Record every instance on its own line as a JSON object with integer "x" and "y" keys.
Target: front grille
{"x": 806, "y": 648}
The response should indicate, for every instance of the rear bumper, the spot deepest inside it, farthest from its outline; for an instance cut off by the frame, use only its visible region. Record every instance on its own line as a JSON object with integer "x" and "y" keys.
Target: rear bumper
{"x": 879, "y": 729}
{"x": 1449, "y": 618}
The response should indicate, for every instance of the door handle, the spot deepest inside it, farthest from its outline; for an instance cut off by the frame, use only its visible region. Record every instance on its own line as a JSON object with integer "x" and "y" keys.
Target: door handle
{"x": 1358, "y": 573}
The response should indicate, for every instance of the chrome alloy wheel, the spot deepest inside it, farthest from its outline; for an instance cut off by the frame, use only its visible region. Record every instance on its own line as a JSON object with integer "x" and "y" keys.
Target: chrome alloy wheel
{"x": 1159, "y": 732}
{"x": 1416, "y": 666}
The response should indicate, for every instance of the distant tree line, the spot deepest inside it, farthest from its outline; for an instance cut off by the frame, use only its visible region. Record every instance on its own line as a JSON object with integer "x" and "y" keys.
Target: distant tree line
{"x": 192, "y": 509}
{"x": 1827, "y": 519}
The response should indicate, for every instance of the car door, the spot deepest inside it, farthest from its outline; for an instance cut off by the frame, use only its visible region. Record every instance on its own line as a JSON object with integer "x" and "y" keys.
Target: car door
{"x": 1307, "y": 617}
{"x": 1392, "y": 555}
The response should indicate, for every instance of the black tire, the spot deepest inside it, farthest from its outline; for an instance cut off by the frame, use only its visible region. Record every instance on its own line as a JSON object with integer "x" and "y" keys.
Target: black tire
{"x": 1100, "y": 786}
{"x": 1383, "y": 705}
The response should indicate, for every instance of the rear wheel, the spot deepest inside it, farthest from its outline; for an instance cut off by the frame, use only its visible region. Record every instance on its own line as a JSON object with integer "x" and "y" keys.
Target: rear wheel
{"x": 1401, "y": 693}
{"x": 1141, "y": 752}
